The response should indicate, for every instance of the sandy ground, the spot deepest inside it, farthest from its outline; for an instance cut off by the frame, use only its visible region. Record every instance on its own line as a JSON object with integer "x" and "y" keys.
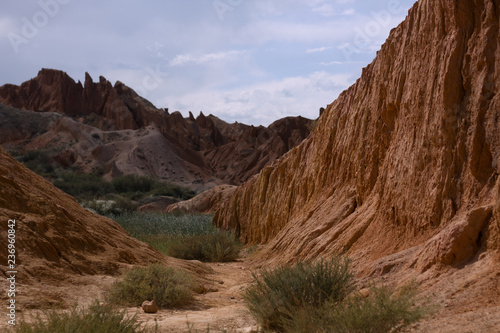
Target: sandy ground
{"x": 222, "y": 308}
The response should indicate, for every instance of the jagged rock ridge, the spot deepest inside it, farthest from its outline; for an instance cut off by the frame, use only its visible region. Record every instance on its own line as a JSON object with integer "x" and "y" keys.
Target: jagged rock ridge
{"x": 107, "y": 122}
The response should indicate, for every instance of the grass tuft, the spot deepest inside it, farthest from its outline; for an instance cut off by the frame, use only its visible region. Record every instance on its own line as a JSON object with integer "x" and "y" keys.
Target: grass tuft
{"x": 317, "y": 297}
{"x": 190, "y": 237}
{"x": 141, "y": 224}
{"x": 220, "y": 246}
{"x": 167, "y": 286}
{"x": 384, "y": 310}
{"x": 96, "y": 318}
{"x": 278, "y": 293}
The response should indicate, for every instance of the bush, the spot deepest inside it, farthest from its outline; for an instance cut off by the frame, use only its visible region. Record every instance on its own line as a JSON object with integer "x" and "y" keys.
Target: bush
{"x": 132, "y": 183}
{"x": 115, "y": 207}
{"x": 140, "y": 224}
{"x": 383, "y": 311}
{"x": 167, "y": 286}
{"x": 79, "y": 185}
{"x": 91, "y": 186}
{"x": 96, "y": 318}
{"x": 161, "y": 230}
{"x": 139, "y": 187}
{"x": 191, "y": 237}
{"x": 39, "y": 162}
{"x": 220, "y": 246}
{"x": 171, "y": 190}
{"x": 36, "y": 155}
{"x": 278, "y": 294}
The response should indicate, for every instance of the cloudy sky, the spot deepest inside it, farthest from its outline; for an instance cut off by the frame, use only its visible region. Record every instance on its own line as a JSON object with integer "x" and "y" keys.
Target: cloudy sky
{"x": 252, "y": 61}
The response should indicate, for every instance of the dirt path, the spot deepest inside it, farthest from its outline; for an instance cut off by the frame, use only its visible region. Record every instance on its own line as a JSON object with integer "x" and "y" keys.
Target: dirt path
{"x": 222, "y": 308}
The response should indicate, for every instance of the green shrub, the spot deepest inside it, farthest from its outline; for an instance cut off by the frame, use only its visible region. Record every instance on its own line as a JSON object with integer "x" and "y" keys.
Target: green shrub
{"x": 171, "y": 190}
{"x": 96, "y": 318}
{"x": 159, "y": 242}
{"x": 279, "y": 293}
{"x": 191, "y": 237}
{"x": 220, "y": 246}
{"x": 140, "y": 224}
{"x": 132, "y": 183}
{"x": 382, "y": 311}
{"x": 91, "y": 186}
{"x": 36, "y": 155}
{"x": 39, "y": 162}
{"x": 79, "y": 184}
{"x": 124, "y": 205}
{"x": 115, "y": 207}
{"x": 167, "y": 286}
{"x": 137, "y": 187}
{"x": 161, "y": 230}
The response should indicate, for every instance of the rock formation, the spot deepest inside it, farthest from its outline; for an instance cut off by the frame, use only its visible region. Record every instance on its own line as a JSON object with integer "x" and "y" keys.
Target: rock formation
{"x": 159, "y": 204}
{"x": 206, "y": 202}
{"x": 107, "y": 122}
{"x": 57, "y": 242}
{"x": 255, "y": 148}
{"x": 149, "y": 306}
{"x": 402, "y": 170}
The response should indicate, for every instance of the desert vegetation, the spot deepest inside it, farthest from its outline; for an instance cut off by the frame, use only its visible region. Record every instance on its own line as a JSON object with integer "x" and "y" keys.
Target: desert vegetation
{"x": 97, "y": 318}
{"x": 169, "y": 287}
{"x": 191, "y": 237}
{"x": 121, "y": 195}
{"x": 219, "y": 246}
{"x": 319, "y": 297}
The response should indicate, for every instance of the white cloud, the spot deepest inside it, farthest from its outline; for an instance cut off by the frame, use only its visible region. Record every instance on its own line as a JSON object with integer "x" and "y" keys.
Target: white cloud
{"x": 349, "y": 11}
{"x": 6, "y": 26}
{"x": 319, "y": 49}
{"x": 324, "y": 10}
{"x": 266, "y": 102}
{"x": 264, "y": 61}
{"x": 329, "y": 63}
{"x": 265, "y": 31}
{"x": 183, "y": 59}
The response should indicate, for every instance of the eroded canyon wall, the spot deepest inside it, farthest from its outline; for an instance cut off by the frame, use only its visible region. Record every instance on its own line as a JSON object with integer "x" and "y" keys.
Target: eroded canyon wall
{"x": 406, "y": 159}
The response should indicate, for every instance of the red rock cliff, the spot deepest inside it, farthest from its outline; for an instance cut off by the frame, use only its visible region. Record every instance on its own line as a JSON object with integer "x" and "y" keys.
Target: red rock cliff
{"x": 222, "y": 152}
{"x": 407, "y": 159}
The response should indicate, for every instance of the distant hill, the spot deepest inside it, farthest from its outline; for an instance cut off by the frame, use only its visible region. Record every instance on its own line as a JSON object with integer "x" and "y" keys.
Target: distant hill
{"x": 100, "y": 126}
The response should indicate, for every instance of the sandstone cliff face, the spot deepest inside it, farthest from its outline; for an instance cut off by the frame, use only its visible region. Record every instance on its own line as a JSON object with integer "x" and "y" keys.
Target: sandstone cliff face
{"x": 404, "y": 161}
{"x": 402, "y": 172}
